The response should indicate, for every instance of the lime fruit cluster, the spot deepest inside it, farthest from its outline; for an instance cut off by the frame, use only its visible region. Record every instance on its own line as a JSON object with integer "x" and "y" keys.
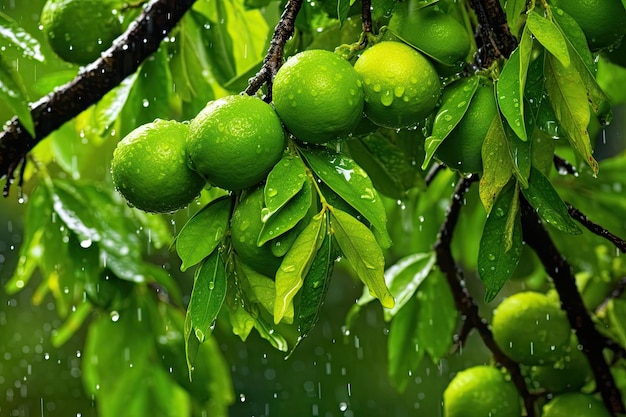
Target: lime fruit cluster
{"x": 602, "y": 21}
{"x": 531, "y": 328}
{"x": 430, "y": 30}
{"x": 149, "y": 167}
{"x": 401, "y": 85}
{"x": 78, "y": 31}
{"x": 481, "y": 391}
{"x": 462, "y": 149}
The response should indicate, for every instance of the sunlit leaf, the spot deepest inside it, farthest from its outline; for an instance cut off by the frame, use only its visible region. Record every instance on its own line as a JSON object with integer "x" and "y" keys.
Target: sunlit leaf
{"x": 548, "y": 204}
{"x": 454, "y": 103}
{"x": 297, "y": 263}
{"x": 72, "y": 324}
{"x": 568, "y": 96}
{"x": 501, "y": 242}
{"x": 352, "y": 184}
{"x": 358, "y": 245}
{"x": 203, "y": 232}
{"x": 14, "y": 36}
{"x": 513, "y": 10}
{"x": 549, "y": 35}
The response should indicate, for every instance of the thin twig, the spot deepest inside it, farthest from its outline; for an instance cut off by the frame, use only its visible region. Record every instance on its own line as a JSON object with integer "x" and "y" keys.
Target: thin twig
{"x": 596, "y": 228}
{"x": 274, "y": 58}
{"x": 463, "y": 299}
{"x": 593, "y": 343}
{"x": 366, "y": 16}
{"x": 564, "y": 167}
{"x": 142, "y": 38}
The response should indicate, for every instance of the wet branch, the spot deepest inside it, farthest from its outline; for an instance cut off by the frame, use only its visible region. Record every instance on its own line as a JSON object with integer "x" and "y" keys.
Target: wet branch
{"x": 283, "y": 31}
{"x": 596, "y": 228}
{"x": 496, "y": 40}
{"x": 463, "y": 299}
{"x": 593, "y": 343}
{"x": 121, "y": 60}
{"x": 366, "y": 16}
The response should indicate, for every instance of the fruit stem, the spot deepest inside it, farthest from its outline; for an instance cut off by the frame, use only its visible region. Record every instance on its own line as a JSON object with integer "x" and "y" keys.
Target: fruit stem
{"x": 464, "y": 300}
{"x": 593, "y": 343}
{"x": 273, "y": 60}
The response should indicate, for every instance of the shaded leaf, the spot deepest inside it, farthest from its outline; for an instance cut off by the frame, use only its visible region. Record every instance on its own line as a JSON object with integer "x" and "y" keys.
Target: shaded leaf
{"x": 353, "y": 185}
{"x": 13, "y": 93}
{"x": 358, "y": 245}
{"x": 404, "y": 353}
{"x": 13, "y": 36}
{"x": 207, "y": 297}
{"x": 497, "y": 164}
{"x": 203, "y": 232}
{"x": 288, "y": 216}
{"x": 284, "y": 181}
{"x": 548, "y": 204}
{"x": 501, "y": 242}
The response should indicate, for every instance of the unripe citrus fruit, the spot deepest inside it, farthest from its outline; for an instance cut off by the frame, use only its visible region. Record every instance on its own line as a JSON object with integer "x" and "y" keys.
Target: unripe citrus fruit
{"x": 318, "y": 95}
{"x": 603, "y": 21}
{"x": 435, "y": 33}
{"x": 570, "y": 373}
{"x": 531, "y": 328}
{"x": 149, "y": 168}
{"x": 79, "y": 30}
{"x": 461, "y": 149}
{"x": 575, "y": 404}
{"x": 401, "y": 85}
{"x": 235, "y": 141}
{"x": 481, "y": 391}
{"x": 245, "y": 226}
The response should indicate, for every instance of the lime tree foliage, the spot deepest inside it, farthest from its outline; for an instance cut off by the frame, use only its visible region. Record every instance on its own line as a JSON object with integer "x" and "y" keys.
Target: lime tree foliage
{"x": 283, "y": 138}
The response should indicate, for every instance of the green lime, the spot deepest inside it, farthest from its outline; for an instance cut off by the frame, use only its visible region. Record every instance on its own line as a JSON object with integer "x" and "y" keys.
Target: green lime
{"x": 245, "y": 227}
{"x": 235, "y": 141}
{"x": 435, "y": 33}
{"x": 318, "y": 95}
{"x": 481, "y": 391}
{"x": 461, "y": 149}
{"x": 575, "y": 404}
{"x": 603, "y": 21}
{"x": 401, "y": 85}
{"x": 531, "y": 328}
{"x": 149, "y": 168}
{"x": 570, "y": 373}
{"x": 79, "y": 30}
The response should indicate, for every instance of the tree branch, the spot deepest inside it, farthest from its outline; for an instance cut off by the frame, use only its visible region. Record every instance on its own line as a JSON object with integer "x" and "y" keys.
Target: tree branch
{"x": 274, "y": 58}
{"x": 142, "y": 38}
{"x": 593, "y": 343}
{"x": 463, "y": 299}
{"x": 493, "y": 30}
{"x": 596, "y": 228}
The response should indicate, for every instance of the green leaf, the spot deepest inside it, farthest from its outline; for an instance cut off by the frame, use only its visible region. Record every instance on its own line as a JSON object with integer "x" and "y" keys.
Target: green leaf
{"x": 538, "y": 104}
{"x": 315, "y": 287}
{"x": 13, "y": 93}
{"x": 568, "y": 96}
{"x": 497, "y": 164}
{"x": 71, "y": 325}
{"x": 405, "y": 277}
{"x": 74, "y": 211}
{"x": 13, "y": 36}
{"x": 437, "y": 316}
{"x": 583, "y": 60}
{"x": 203, "y": 232}
{"x": 550, "y": 208}
{"x": 501, "y": 242}
{"x": 284, "y": 181}
{"x": 404, "y": 353}
{"x": 241, "y": 320}
{"x": 616, "y": 314}
{"x": 455, "y": 102}
{"x": 352, "y": 184}
{"x": 513, "y": 10}
{"x": 358, "y": 245}
{"x": 269, "y": 332}
{"x": 288, "y": 216}
{"x": 207, "y": 297}
{"x": 549, "y": 35}
{"x": 511, "y": 83}
{"x": 297, "y": 263}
